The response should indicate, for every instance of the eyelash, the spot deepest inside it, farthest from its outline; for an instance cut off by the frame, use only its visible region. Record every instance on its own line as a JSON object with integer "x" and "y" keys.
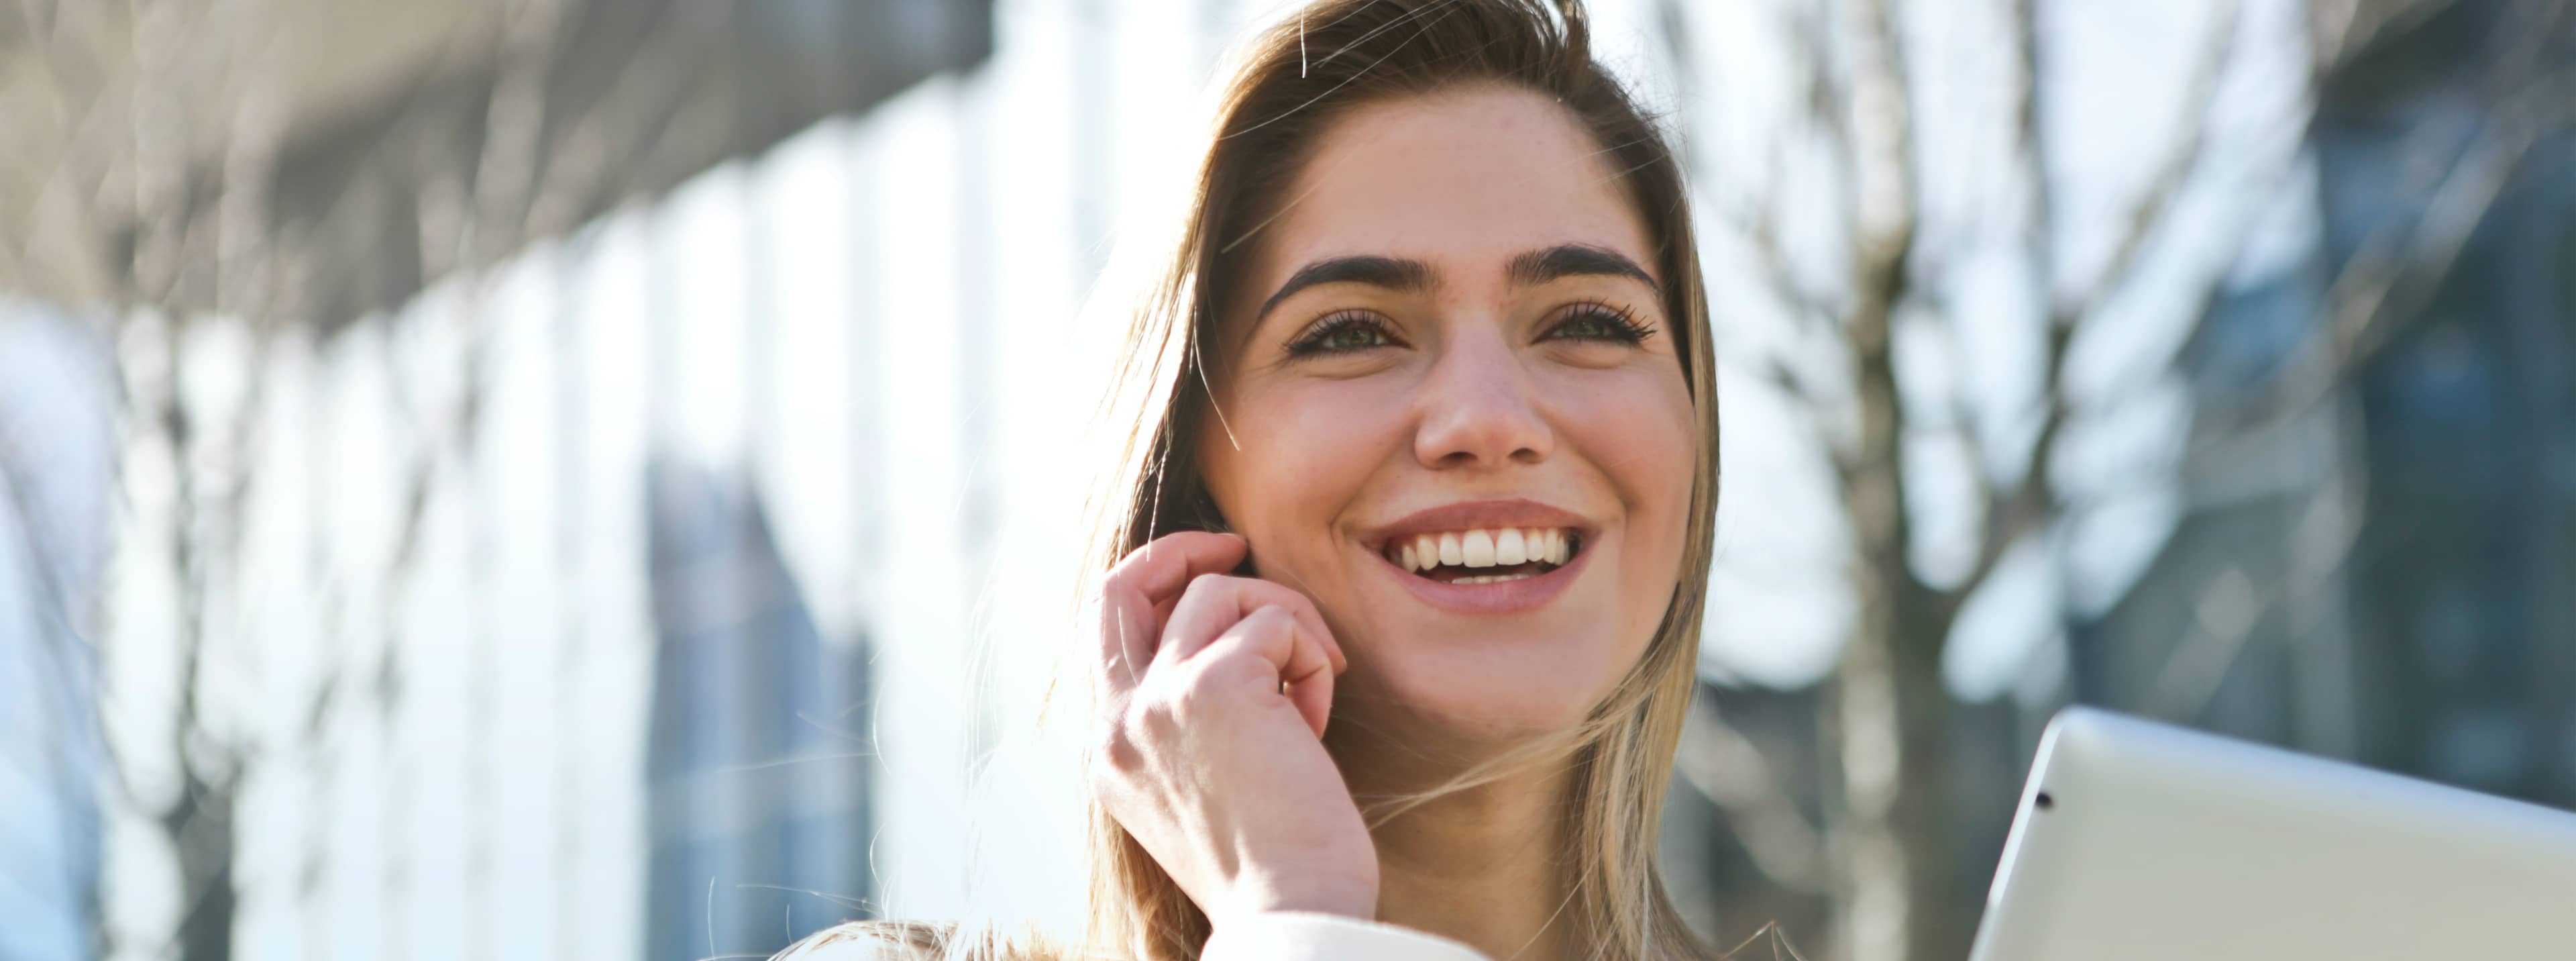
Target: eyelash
{"x": 1621, "y": 323}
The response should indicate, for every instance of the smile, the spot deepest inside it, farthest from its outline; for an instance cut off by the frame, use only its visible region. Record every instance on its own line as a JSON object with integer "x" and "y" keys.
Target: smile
{"x": 1477, "y": 573}
{"x": 1484, "y": 556}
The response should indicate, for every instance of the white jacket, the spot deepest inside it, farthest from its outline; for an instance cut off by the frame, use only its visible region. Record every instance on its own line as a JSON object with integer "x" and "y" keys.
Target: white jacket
{"x": 1301, "y": 936}
{"x": 1267, "y": 936}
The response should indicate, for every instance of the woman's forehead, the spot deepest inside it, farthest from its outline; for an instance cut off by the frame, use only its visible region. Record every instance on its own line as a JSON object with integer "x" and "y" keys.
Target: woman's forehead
{"x": 1463, "y": 181}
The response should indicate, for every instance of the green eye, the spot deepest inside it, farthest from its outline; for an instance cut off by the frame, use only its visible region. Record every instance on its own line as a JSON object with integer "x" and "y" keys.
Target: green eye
{"x": 1342, "y": 333}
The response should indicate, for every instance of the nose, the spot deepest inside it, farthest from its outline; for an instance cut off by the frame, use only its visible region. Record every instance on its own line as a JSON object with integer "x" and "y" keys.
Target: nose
{"x": 1478, "y": 409}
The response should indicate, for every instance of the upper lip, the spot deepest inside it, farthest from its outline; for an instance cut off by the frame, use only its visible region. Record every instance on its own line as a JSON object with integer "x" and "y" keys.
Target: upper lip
{"x": 1472, "y": 515}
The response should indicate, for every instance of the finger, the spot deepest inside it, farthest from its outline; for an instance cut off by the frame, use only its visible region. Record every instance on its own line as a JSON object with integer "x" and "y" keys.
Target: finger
{"x": 1214, "y": 602}
{"x": 1309, "y": 680}
{"x": 1279, "y": 638}
{"x": 1304, "y": 604}
{"x": 1134, "y": 595}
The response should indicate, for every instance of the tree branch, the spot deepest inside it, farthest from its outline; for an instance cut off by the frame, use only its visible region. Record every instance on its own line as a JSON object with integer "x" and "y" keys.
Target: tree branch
{"x": 1761, "y": 231}
{"x": 2031, "y": 146}
{"x": 2014, "y": 511}
{"x": 2155, "y": 205}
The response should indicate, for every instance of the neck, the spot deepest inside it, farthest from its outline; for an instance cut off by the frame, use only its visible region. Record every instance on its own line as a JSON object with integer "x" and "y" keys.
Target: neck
{"x": 1483, "y": 865}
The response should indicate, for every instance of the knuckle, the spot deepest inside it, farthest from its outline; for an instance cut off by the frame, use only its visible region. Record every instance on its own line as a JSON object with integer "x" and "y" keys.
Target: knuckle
{"x": 1115, "y": 755}
{"x": 1270, "y": 592}
{"x": 1205, "y": 584}
{"x": 1118, "y": 576}
{"x": 1269, "y": 621}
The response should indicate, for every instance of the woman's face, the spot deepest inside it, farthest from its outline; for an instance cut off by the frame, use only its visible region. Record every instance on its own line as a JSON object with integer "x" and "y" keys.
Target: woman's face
{"x": 1452, "y": 341}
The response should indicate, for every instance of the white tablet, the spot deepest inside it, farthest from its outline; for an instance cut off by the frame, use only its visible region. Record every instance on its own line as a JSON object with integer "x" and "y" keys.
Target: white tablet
{"x": 2138, "y": 841}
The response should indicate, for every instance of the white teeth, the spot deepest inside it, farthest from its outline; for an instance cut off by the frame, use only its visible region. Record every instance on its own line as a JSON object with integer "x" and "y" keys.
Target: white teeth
{"x": 1482, "y": 548}
{"x": 1478, "y": 546}
{"x": 1492, "y": 578}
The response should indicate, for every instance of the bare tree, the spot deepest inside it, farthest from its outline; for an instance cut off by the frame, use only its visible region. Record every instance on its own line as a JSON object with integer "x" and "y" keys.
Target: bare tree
{"x": 1894, "y": 866}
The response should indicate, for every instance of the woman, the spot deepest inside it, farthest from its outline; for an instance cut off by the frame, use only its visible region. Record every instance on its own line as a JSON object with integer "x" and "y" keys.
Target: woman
{"x": 1406, "y": 554}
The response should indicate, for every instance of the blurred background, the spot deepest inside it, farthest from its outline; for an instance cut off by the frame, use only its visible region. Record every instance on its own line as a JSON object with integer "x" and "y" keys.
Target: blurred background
{"x": 568, "y": 478}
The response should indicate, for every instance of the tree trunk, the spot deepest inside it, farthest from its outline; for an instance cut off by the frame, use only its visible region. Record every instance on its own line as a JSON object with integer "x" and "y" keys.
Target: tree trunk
{"x": 200, "y": 826}
{"x": 1889, "y": 716}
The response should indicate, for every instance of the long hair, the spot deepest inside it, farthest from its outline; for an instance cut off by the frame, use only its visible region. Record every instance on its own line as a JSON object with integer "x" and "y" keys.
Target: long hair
{"x": 1281, "y": 94}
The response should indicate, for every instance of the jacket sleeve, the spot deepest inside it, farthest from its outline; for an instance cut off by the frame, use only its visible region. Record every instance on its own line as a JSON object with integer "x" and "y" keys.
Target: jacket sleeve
{"x": 1307, "y": 936}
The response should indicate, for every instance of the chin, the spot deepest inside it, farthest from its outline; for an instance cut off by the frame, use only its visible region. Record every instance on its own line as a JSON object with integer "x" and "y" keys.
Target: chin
{"x": 1487, "y": 690}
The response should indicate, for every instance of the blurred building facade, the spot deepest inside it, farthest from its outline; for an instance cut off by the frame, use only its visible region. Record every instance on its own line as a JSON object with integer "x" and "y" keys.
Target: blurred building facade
{"x": 456, "y": 685}
{"x": 56, "y": 467}
{"x": 2381, "y": 571}
{"x": 2465, "y": 618}
{"x": 755, "y": 767}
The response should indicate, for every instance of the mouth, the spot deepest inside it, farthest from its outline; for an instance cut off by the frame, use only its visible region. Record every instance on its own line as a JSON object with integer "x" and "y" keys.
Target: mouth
{"x": 1482, "y": 577}
{"x": 1484, "y": 555}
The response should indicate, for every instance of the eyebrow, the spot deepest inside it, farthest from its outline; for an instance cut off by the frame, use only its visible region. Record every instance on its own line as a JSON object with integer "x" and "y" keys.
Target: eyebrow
{"x": 1576, "y": 260}
{"x": 1528, "y": 269}
{"x": 1391, "y": 273}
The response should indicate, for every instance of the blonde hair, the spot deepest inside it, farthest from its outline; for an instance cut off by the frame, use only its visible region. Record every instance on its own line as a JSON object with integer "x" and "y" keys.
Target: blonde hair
{"x": 1285, "y": 89}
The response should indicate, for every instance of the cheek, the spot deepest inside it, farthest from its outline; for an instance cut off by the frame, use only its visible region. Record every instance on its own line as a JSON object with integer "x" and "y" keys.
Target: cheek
{"x": 1640, "y": 431}
{"x": 1297, "y": 455}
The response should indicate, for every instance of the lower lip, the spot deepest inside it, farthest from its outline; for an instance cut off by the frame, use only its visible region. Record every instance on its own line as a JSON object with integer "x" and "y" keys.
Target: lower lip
{"x": 1500, "y": 597}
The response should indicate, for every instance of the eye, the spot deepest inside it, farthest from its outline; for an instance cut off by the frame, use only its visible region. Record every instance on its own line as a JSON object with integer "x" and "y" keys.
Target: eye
{"x": 1341, "y": 334}
{"x": 1593, "y": 320}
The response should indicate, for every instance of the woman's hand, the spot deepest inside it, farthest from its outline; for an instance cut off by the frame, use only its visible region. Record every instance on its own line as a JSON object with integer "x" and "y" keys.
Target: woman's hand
{"x": 1206, "y": 748}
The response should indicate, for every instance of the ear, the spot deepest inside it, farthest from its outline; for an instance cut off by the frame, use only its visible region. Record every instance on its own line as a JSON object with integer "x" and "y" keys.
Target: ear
{"x": 1210, "y": 516}
{"x": 1207, "y": 516}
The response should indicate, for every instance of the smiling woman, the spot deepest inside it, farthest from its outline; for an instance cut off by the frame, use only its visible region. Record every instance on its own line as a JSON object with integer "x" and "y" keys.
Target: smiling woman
{"x": 1512, "y": 377}
{"x": 1398, "y": 596}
